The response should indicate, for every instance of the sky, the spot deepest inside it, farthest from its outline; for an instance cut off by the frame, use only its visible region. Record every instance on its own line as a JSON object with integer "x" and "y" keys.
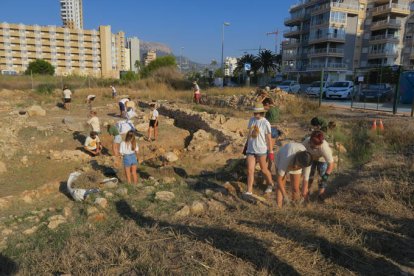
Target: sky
{"x": 195, "y": 25}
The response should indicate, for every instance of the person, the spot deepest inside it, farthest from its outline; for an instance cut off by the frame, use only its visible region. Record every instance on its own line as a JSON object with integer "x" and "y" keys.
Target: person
{"x": 94, "y": 122}
{"x": 89, "y": 100}
{"x": 153, "y": 123}
{"x": 258, "y": 146}
{"x": 197, "y": 93}
{"x": 93, "y": 144}
{"x": 322, "y": 161}
{"x": 117, "y": 139}
{"x": 67, "y": 98}
{"x": 292, "y": 159}
{"x": 122, "y": 106}
{"x": 114, "y": 93}
{"x": 318, "y": 123}
{"x": 129, "y": 152}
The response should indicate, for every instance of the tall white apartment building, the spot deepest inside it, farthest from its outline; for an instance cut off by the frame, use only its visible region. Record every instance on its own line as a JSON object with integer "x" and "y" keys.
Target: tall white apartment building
{"x": 72, "y": 14}
{"x": 230, "y": 65}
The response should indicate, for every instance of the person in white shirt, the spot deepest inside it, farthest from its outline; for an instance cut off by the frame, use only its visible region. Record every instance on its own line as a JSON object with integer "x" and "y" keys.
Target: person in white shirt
{"x": 129, "y": 151}
{"x": 153, "y": 123}
{"x": 258, "y": 147}
{"x": 122, "y": 106}
{"x": 67, "y": 97}
{"x": 322, "y": 161}
{"x": 94, "y": 122}
{"x": 89, "y": 100}
{"x": 114, "y": 93}
{"x": 93, "y": 144}
{"x": 292, "y": 159}
{"x": 197, "y": 93}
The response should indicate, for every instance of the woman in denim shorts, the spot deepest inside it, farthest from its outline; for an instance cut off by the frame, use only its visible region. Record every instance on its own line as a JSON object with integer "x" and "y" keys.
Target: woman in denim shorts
{"x": 129, "y": 152}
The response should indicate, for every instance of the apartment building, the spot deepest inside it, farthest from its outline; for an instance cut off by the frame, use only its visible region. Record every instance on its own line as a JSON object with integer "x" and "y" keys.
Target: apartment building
{"x": 149, "y": 56}
{"x": 324, "y": 35}
{"x": 230, "y": 65}
{"x": 98, "y": 53}
{"x": 135, "y": 54}
{"x": 71, "y": 13}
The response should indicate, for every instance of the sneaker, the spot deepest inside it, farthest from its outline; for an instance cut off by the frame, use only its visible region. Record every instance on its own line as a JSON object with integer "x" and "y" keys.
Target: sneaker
{"x": 248, "y": 193}
{"x": 269, "y": 189}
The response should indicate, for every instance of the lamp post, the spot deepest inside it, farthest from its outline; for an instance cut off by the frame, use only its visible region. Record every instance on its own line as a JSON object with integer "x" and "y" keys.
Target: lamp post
{"x": 181, "y": 56}
{"x": 225, "y": 24}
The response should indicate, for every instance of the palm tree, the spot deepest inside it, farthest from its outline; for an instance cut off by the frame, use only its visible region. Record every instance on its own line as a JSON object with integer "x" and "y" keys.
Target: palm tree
{"x": 248, "y": 58}
{"x": 267, "y": 61}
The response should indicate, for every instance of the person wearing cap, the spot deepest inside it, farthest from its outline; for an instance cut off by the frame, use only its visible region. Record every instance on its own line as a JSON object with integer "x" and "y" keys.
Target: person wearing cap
{"x": 258, "y": 146}
{"x": 295, "y": 160}
{"x": 197, "y": 93}
{"x": 322, "y": 161}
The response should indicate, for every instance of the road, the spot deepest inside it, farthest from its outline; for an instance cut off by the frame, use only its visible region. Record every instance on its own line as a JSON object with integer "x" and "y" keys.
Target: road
{"x": 370, "y": 106}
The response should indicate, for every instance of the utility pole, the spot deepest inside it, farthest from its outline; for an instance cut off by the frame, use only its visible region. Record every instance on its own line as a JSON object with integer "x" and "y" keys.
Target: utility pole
{"x": 181, "y": 56}
{"x": 276, "y": 34}
{"x": 225, "y": 24}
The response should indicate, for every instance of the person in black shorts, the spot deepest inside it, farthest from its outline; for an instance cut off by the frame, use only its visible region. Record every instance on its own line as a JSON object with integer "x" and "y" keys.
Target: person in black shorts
{"x": 153, "y": 123}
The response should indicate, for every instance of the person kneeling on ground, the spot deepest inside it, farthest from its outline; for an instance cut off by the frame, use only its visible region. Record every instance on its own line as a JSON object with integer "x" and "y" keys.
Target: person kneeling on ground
{"x": 129, "y": 152}
{"x": 292, "y": 159}
{"x": 258, "y": 147}
{"x": 322, "y": 160}
{"x": 122, "y": 106}
{"x": 153, "y": 123}
{"x": 93, "y": 144}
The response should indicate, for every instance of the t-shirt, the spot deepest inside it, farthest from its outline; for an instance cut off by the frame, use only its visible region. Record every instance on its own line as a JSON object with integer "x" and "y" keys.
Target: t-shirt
{"x": 131, "y": 114}
{"x": 91, "y": 97}
{"x": 323, "y": 153}
{"x": 154, "y": 114}
{"x": 91, "y": 144}
{"x": 124, "y": 101}
{"x": 94, "y": 122}
{"x": 196, "y": 89}
{"x": 272, "y": 115}
{"x": 125, "y": 148}
{"x": 285, "y": 157}
{"x": 113, "y": 130}
{"x": 258, "y": 129}
{"x": 67, "y": 93}
{"x": 113, "y": 89}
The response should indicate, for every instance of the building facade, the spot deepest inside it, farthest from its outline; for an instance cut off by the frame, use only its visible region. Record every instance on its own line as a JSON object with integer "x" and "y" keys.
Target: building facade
{"x": 135, "y": 56}
{"x": 230, "y": 65}
{"x": 339, "y": 36}
{"x": 149, "y": 56}
{"x": 98, "y": 53}
{"x": 71, "y": 13}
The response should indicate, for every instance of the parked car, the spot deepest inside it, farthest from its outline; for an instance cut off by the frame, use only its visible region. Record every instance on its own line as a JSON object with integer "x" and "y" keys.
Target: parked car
{"x": 272, "y": 84}
{"x": 314, "y": 90}
{"x": 290, "y": 86}
{"x": 379, "y": 91}
{"x": 340, "y": 90}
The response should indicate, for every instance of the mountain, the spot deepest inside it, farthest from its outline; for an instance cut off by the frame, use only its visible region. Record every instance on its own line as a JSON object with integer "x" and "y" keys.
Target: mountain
{"x": 160, "y": 48}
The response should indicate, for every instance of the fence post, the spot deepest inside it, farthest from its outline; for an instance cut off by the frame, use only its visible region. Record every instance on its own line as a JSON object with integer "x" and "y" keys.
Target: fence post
{"x": 397, "y": 91}
{"x": 321, "y": 88}
{"x": 31, "y": 78}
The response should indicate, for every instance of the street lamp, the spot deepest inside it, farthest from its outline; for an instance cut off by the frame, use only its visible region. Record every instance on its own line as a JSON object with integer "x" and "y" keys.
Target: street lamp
{"x": 181, "y": 56}
{"x": 225, "y": 24}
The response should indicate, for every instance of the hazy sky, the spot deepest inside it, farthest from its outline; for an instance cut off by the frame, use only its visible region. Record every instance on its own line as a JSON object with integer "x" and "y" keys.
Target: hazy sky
{"x": 192, "y": 24}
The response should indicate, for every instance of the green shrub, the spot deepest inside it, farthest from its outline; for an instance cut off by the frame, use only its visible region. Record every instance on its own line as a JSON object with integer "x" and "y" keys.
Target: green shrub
{"x": 45, "y": 89}
{"x": 361, "y": 143}
{"x": 40, "y": 67}
{"x": 167, "y": 61}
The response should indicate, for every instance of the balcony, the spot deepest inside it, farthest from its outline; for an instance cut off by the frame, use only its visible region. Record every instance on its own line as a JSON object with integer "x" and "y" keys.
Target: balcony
{"x": 326, "y": 52}
{"x": 386, "y": 24}
{"x": 380, "y": 39}
{"x": 350, "y": 8}
{"x": 293, "y": 32}
{"x": 290, "y": 44}
{"x": 289, "y": 56}
{"x": 398, "y": 9}
{"x": 327, "y": 37}
{"x": 294, "y": 20}
{"x": 327, "y": 66}
{"x": 373, "y": 54}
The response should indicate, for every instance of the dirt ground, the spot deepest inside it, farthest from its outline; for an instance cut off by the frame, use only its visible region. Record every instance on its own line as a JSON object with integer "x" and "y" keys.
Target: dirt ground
{"x": 365, "y": 227}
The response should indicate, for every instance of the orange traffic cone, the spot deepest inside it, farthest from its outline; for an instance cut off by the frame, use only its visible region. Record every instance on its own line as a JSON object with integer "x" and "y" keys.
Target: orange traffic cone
{"x": 381, "y": 126}
{"x": 374, "y": 126}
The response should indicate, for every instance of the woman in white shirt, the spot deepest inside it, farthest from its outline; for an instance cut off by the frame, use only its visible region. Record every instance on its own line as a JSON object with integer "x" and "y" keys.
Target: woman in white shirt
{"x": 129, "y": 152}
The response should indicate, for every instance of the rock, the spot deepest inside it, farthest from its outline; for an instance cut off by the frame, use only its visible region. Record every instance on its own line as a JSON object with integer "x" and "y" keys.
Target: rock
{"x": 36, "y": 110}
{"x": 91, "y": 210}
{"x": 3, "y": 168}
{"x": 30, "y": 231}
{"x": 197, "y": 208}
{"x": 255, "y": 199}
{"x": 170, "y": 157}
{"x": 148, "y": 190}
{"x": 164, "y": 196}
{"x": 67, "y": 212}
{"x": 183, "y": 212}
{"x": 4, "y": 203}
{"x": 108, "y": 194}
{"x": 73, "y": 155}
{"x": 99, "y": 217}
{"x": 102, "y": 202}
{"x": 168, "y": 180}
{"x": 122, "y": 191}
{"x": 208, "y": 192}
{"x": 216, "y": 206}
{"x": 72, "y": 125}
{"x": 6, "y": 232}
{"x": 24, "y": 160}
{"x": 230, "y": 189}
{"x": 110, "y": 185}
{"x": 55, "y": 221}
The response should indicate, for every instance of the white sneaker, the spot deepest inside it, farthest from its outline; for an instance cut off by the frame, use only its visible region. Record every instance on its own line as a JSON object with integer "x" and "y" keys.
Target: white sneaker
{"x": 269, "y": 189}
{"x": 248, "y": 193}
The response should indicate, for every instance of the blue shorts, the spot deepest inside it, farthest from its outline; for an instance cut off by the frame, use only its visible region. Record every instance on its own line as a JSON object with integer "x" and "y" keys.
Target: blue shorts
{"x": 321, "y": 167}
{"x": 117, "y": 139}
{"x": 130, "y": 160}
{"x": 257, "y": 155}
{"x": 275, "y": 133}
{"x": 122, "y": 107}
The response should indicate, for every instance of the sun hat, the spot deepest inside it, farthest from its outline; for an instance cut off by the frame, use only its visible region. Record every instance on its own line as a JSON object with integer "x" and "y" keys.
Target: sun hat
{"x": 258, "y": 108}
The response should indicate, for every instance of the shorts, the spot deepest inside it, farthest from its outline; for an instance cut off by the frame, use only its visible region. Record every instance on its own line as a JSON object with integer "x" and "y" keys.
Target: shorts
{"x": 130, "y": 160}
{"x": 256, "y": 155}
{"x": 153, "y": 123}
{"x": 197, "y": 97}
{"x": 67, "y": 100}
{"x": 117, "y": 139}
{"x": 275, "y": 133}
{"x": 321, "y": 167}
{"x": 122, "y": 107}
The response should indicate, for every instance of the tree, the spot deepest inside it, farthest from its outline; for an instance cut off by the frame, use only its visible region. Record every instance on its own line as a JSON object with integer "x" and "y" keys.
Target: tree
{"x": 248, "y": 58}
{"x": 41, "y": 67}
{"x": 137, "y": 65}
{"x": 218, "y": 73}
{"x": 167, "y": 61}
{"x": 267, "y": 61}
{"x": 129, "y": 76}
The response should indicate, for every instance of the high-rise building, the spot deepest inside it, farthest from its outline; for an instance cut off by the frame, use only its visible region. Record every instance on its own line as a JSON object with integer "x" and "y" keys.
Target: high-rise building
{"x": 135, "y": 56}
{"x": 230, "y": 65}
{"x": 340, "y": 36}
{"x": 149, "y": 56}
{"x": 98, "y": 53}
{"x": 71, "y": 13}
